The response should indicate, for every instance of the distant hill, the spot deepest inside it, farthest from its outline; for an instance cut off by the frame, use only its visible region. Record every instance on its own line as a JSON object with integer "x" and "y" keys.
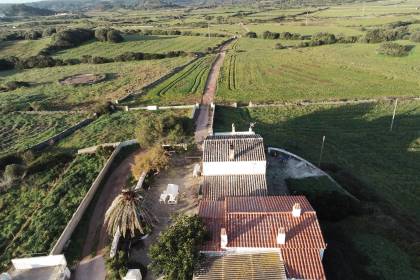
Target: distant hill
{"x": 22, "y": 10}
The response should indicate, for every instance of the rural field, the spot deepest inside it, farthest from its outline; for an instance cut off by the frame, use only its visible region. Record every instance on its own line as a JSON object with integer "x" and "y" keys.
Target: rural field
{"x": 122, "y": 77}
{"x": 20, "y": 131}
{"x": 359, "y": 142}
{"x": 345, "y": 71}
{"x": 142, "y": 43}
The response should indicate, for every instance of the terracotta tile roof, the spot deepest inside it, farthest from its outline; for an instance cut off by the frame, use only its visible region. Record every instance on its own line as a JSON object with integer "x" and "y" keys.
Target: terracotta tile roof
{"x": 303, "y": 264}
{"x": 269, "y": 204}
{"x": 254, "y": 222}
{"x": 246, "y": 147}
{"x": 257, "y": 266}
{"x": 218, "y": 187}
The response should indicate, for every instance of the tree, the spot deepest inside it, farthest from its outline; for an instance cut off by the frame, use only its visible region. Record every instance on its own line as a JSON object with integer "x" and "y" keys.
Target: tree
{"x": 149, "y": 131}
{"x": 128, "y": 215}
{"x": 155, "y": 159}
{"x": 100, "y": 34}
{"x": 114, "y": 36}
{"x": 415, "y": 37}
{"x": 251, "y": 35}
{"x": 176, "y": 253}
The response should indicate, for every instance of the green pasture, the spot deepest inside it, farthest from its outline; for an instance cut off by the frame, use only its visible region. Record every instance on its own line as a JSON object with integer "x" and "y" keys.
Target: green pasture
{"x": 255, "y": 71}
{"x": 123, "y": 77}
{"x": 24, "y": 48}
{"x": 142, "y": 43}
{"x": 20, "y": 131}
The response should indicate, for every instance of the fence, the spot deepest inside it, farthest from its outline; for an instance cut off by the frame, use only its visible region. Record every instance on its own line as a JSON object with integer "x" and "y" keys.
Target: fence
{"x": 77, "y": 216}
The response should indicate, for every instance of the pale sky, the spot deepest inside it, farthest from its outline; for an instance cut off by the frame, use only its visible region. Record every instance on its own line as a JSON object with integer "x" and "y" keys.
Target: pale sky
{"x": 17, "y": 1}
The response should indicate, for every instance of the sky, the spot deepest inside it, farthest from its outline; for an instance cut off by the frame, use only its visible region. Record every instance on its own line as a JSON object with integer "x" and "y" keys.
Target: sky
{"x": 17, "y": 1}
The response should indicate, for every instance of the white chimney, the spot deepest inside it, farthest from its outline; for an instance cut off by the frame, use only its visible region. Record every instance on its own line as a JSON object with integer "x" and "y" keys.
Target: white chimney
{"x": 281, "y": 236}
{"x": 231, "y": 152}
{"x": 296, "y": 210}
{"x": 233, "y": 128}
{"x": 223, "y": 238}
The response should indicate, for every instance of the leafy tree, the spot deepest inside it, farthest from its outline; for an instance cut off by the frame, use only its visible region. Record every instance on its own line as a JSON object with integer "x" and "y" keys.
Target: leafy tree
{"x": 114, "y": 36}
{"x": 176, "y": 253}
{"x": 100, "y": 34}
{"x": 128, "y": 215}
{"x": 149, "y": 131}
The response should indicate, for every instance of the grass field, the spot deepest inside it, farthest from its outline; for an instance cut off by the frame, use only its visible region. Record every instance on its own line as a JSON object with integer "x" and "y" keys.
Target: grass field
{"x": 24, "y": 48}
{"x": 119, "y": 126}
{"x": 142, "y": 43}
{"x": 36, "y": 210}
{"x": 185, "y": 87}
{"x": 358, "y": 140}
{"x": 123, "y": 77}
{"x": 19, "y": 131}
{"x": 337, "y": 71}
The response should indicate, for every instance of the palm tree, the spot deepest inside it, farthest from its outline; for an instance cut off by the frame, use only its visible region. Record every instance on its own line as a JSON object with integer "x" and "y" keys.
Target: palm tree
{"x": 127, "y": 214}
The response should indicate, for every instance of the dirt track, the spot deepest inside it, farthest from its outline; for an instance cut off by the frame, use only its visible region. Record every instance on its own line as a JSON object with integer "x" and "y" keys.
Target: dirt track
{"x": 203, "y": 119}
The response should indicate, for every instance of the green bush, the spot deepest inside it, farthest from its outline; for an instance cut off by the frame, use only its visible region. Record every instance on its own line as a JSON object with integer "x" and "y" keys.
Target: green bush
{"x": 101, "y": 34}
{"x": 49, "y": 31}
{"x": 12, "y": 85}
{"x": 381, "y": 35}
{"x": 33, "y": 35}
{"x": 278, "y": 46}
{"x": 14, "y": 171}
{"x": 270, "y": 35}
{"x": 117, "y": 267}
{"x": 114, "y": 36}
{"x": 393, "y": 49}
{"x": 323, "y": 38}
{"x": 251, "y": 35}
{"x": 70, "y": 38}
{"x": 176, "y": 253}
{"x": 415, "y": 37}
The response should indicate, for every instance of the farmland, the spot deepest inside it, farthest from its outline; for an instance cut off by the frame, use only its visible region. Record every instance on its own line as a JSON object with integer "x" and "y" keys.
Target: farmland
{"x": 185, "y": 87}
{"x": 345, "y": 71}
{"x": 22, "y": 48}
{"x": 19, "y": 131}
{"x": 143, "y": 43}
{"x": 358, "y": 141}
{"x": 122, "y": 77}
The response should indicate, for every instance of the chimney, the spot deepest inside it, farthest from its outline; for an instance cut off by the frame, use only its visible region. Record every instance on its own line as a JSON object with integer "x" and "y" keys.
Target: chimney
{"x": 296, "y": 210}
{"x": 233, "y": 128}
{"x": 231, "y": 152}
{"x": 281, "y": 236}
{"x": 223, "y": 238}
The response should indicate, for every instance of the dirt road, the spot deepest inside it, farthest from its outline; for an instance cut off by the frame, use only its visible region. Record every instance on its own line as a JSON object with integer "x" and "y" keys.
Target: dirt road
{"x": 97, "y": 238}
{"x": 204, "y": 115}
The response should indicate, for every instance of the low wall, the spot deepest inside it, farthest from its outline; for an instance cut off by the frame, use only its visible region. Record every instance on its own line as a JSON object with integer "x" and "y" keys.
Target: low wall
{"x": 78, "y": 214}
{"x": 54, "y": 139}
{"x": 155, "y": 108}
{"x": 311, "y": 165}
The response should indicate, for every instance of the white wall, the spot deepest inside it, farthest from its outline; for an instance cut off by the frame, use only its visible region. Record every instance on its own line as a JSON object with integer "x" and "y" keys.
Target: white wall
{"x": 234, "y": 168}
{"x": 36, "y": 262}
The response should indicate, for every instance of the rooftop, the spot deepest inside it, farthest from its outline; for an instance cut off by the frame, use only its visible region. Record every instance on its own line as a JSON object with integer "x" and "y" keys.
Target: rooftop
{"x": 255, "y": 222}
{"x": 258, "y": 266}
{"x": 246, "y": 147}
{"x": 218, "y": 187}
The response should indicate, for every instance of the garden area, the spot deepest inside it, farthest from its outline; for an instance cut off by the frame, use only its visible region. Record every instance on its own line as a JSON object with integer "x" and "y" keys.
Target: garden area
{"x": 377, "y": 166}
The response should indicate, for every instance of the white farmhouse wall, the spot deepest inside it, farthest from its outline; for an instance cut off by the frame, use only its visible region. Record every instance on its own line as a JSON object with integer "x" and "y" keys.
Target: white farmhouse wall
{"x": 234, "y": 168}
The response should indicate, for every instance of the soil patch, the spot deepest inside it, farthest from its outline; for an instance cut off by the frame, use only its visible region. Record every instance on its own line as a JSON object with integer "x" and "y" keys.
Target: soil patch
{"x": 83, "y": 79}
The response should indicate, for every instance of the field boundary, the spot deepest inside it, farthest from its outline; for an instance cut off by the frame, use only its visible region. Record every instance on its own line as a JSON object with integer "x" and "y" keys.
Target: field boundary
{"x": 321, "y": 102}
{"x": 78, "y": 214}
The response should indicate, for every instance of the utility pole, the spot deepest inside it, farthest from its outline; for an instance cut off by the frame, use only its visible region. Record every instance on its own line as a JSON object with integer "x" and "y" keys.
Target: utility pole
{"x": 363, "y": 9}
{"x": 322, "y": 150}
{"x": 393, "y": 115}
{"x": 208, "y": 29}
{"x": 306, "y": 20}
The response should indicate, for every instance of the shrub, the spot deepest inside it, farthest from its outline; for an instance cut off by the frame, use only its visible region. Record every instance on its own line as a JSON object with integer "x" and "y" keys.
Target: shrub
{"x": 117, "y": 267}
{"x": 38, "y": 61}
{"x": 382, "y": 35}
{"x": 323, "y": 38}
{"x": 278, "y": 46}
{"x": 101, "y": 34}
{"x": 176, "y": 253}
{"x": 270, "y": 35}
{"x": 392, "y": 49}
{"x": 129, "y": 56}
{"x": 114, "y": 36}
{"x": 415, "y": 37}
{"x": 104, "y": 108}
{"x": 71, "y": 38}
{"x": 49, "y": 31}
{"x": 12, "y": 85}
{"x": 251, "y": 35}
{"x": 14, "y": 171}
{"x": 155, "y": 160}
{"x": 7, "y": 63}
{"x": 33, "y": 35}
